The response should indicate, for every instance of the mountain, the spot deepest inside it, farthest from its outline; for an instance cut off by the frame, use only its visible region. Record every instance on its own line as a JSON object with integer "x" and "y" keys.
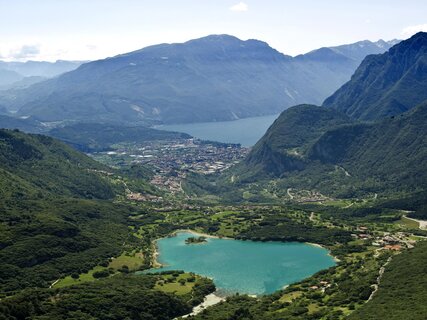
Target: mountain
{"x": 95, "y": 136}
{"x": 3, "y": 110}
{"x": 8, "y": 77}
{"x": 285, "y": 142}
{"x": 26, "y": 125}
{"x": 214, "y": 78}
{"x": 22, "y": 82}
{"x": 392, "y": 151}
{"x": 321, "y": 149}
{"x": 40, "y": 68}
{"x": 19, "y": 75}
{"x": 359, "y": 50}
{"x": 387, "y": 84}
{"x": 352, "y": 54}
{"x": 47, "y": 164}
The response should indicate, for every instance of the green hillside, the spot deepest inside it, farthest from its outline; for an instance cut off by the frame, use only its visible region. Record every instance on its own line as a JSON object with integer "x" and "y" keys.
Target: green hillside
{"x": 393, "y": 151}
{"x": 49, "y": 226}
{"x": 317, "y": 149}
{"x": 283, "y": 146}
{"x": 402, "y": 292}
{"x": 50, "y": 165}
{"x": 118, "y": 297}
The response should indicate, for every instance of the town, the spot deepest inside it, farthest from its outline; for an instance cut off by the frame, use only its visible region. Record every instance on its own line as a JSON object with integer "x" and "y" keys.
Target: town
{"x": 172, "y": 160}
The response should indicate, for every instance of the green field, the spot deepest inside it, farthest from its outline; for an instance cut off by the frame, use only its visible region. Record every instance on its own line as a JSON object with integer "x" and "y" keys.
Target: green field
{"x": 84, "y": 277}
{"x": 133, "y": 261}
{"x": 178, "y": 285}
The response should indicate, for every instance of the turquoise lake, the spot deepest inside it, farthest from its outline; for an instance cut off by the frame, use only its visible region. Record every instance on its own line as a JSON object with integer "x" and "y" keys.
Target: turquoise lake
{"x": 248, "y": 267}
{"x": 244, "y": 131}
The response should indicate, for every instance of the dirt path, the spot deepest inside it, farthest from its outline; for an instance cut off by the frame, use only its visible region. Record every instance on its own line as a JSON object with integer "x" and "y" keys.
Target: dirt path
{"x": 289, "y": 193}
{"x": 380, "y": 275}
{"x": 55, "y": 282}
{"x": 348, "y": 206}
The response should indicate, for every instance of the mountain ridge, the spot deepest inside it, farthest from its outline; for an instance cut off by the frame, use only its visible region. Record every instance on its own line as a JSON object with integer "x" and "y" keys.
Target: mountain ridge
{"x": 387, "y": 84}
{"x": 214, "y": 78}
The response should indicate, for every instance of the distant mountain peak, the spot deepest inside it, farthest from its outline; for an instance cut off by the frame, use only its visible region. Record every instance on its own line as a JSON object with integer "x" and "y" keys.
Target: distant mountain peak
{"x": 215, "y": 37}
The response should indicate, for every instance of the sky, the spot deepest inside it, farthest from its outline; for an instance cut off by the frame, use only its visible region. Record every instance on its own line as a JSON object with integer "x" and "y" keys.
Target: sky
{"x": 95, "y": 29}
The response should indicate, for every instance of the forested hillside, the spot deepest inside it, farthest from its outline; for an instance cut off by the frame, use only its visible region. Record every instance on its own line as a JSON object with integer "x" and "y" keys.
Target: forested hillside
{"x": 283, "y": 146}
{"x": 402, "y": 292}
{"x": 49, "y": 226}
{"x": 49, "y": 165}
{"x": 393, "y": 151}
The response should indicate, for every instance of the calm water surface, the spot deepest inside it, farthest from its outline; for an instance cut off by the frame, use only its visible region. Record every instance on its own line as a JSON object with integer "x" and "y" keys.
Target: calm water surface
{"x": 243, "y": 266}
{"x": 244, "y": 131}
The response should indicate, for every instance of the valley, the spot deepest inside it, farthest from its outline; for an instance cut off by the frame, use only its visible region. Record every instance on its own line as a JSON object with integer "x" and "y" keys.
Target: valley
{"x": 358, "y": 231}
{"x": 316, "y": 213}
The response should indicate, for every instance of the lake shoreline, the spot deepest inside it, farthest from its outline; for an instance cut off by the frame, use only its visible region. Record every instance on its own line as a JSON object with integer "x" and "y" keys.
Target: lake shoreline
{"x": 324, "y": 247}
{"x": 244, "y": 131}
{"x": 157, "y": 264}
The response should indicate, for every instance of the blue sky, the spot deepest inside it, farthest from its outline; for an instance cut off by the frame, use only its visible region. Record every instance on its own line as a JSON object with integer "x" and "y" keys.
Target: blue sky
{"x": 93, "y": 29}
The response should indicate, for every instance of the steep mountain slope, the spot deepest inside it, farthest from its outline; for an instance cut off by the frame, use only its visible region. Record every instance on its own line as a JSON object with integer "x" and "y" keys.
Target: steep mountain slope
{"x": 214, "y": 78}
{"x": 320, "y": 149}
{"x": 283, "y": 146}
{"x": 393, "y": 151}
{"x": 387, "y": 84}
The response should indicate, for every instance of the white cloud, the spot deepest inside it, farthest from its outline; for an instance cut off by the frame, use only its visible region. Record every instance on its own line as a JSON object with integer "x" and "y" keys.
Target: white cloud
{"x": 411, "y": 30}
{"x": 240, "y": 7}
{"x": 24, "y": 52}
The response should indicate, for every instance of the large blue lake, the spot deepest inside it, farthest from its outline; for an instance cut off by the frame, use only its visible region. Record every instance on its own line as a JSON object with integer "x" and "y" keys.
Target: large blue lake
{"x": 244, "y": 131}
{"x": 243, "y": 266}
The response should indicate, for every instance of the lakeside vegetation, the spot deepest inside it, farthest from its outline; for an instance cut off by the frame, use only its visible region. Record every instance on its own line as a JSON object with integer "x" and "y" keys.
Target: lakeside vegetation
{"x": 195, "y": 240}
{"x": 88, "y": 244}
{"x": 142, "y": 296}
{"x": 72, "y": 237}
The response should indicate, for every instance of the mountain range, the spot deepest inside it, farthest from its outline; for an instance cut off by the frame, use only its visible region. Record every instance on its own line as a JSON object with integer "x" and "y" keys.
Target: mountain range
{"x": 23, "y": 74}
{"x": 215, "y": 78}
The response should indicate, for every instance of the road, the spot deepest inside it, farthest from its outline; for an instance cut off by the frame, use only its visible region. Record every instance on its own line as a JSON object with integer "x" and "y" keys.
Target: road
{"x": 422, "y": 223}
